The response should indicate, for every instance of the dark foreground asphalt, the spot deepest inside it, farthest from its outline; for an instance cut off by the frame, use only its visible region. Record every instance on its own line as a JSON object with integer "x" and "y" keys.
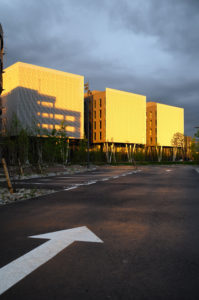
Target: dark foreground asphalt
{"x": 149, "y": 223}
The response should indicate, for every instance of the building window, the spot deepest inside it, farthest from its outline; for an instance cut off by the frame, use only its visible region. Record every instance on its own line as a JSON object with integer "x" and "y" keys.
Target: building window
{"x": 150, "y": 114}
{"x": 95, "y": 136}
{"x": 151, "y": 140}
{"x": 150, "y": 132}
{"x": 100, "y": 135}
{"x": 100, "y": 124}
{"x": 100, "y": 100}
{"x": 150, "y": 123}
{"x": 95, "y": 114}
{"x": 94, "y": 103}
{"x": 100, "y": 113}
{"x": 94, "y": 124}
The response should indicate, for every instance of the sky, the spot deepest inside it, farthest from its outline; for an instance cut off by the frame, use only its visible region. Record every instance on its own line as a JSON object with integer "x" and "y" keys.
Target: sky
{"x": 148, "y": 47}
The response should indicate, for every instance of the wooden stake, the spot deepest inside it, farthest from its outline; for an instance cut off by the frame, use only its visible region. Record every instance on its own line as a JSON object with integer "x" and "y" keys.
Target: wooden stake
{"x": 20, "y": 167}
{"x": 7, "y": 176}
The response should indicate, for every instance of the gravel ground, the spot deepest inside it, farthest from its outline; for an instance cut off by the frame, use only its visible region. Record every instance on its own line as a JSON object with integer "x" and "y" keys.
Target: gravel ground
{"x": 24, "y": 194}
{"x": 21, "y": 194}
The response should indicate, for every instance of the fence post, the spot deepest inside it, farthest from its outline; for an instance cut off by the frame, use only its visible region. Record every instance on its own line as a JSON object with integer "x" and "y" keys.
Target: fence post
{"x": 7, "y": 175}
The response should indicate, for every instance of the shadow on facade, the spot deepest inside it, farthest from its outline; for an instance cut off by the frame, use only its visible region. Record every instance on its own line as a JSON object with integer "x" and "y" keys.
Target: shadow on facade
{"x": 36, "y": 111}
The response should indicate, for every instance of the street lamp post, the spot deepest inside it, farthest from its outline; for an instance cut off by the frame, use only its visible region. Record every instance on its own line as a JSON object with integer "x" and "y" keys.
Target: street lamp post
{"x": 86, "y": 86}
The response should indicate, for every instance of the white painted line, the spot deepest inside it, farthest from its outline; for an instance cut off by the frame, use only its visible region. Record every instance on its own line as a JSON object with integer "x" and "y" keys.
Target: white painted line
{"x": 90, "y": 182}
{"x": 168, "y": 170}
{"x": 197, "y": 170}
{"x": 23, "y": 182}
{"x": 63, "y": 177}
{"x": 26, "y": 264}
{"x": 105, "y": 179}
{"x": 115, "y": 176}
{"x": 80, "y": 184}
{"x": 70, "y": 188}
{"x": 32, "y": 183}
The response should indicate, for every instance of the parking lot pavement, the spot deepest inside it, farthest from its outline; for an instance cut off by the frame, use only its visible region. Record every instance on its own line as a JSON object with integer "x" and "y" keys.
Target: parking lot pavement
{"x": 130, "y": 237}
{"x": 69, "y": 181}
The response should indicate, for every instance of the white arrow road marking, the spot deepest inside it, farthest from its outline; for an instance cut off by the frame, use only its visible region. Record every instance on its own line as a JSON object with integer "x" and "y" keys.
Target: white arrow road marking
{"x": 58, "y": 240}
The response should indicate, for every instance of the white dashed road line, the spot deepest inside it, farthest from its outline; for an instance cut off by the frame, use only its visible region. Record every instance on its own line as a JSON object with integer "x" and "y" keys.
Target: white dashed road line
{"x": 105, "y": 179}
{"x": 71, "y": 188}
{"x": 75, "y": 186}
{"x": 90, "y": 182}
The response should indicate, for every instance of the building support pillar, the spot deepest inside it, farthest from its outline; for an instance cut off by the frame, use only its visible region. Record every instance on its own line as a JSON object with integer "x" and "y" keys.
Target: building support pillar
{"x": 159, "y": 153}
{"x": 108, "y": 153}
{"x": 67, "y": 151}
{"x": 175, "y": 149}
{"x": 113, "y": 150}
{"x": 130, "y": 150}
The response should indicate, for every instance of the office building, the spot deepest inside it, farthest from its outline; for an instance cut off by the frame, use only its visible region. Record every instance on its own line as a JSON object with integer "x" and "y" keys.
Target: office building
{"x": 116, "y": 117}
{"x": 42, "y": 98}
{"x": 163, "y": 121}
{"x": 1, "y": 58}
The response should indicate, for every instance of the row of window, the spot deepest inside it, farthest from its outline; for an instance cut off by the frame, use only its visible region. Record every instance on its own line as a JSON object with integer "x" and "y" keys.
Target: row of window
{"x": 100, "y": 137}
{"x": 151, "y": 140}
{"x": 94, "y": 114}
{"x": 100, "y": 103}
{"x": 150, "y": 131}
{"x": 100, "y": 124}
{"x": 151, "y": 114}
{"x": 150, "y": 123}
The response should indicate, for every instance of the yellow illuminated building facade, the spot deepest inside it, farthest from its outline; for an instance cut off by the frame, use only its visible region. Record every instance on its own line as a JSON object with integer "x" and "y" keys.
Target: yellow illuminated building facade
{"x": 1, "y": 58}
{"x": 43, "y": 98}
{"x": 163, "y": 121}
{"x": 117, "y": 117}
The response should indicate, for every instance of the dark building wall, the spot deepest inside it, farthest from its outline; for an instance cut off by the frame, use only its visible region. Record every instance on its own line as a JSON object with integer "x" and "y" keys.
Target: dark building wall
{"x": 97, "y": 116}
{"x": 151, "y": 124}
{"x": 1, "y": 58}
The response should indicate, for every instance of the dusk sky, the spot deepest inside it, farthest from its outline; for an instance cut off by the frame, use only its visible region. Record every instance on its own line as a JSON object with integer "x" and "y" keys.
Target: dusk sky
{"x": 149, "y": 47}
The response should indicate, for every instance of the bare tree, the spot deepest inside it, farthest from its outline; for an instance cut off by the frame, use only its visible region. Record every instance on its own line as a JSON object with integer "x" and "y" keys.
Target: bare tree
{"x": 177, "y": 142}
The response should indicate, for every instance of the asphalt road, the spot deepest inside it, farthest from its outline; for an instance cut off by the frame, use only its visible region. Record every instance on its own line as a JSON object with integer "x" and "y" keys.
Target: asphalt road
{"x": 148, "y": 222}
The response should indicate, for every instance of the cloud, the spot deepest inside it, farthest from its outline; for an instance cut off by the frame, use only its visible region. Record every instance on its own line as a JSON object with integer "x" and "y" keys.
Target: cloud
{"x": 173, "y": 23}
{"x": 147, "y": 47}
